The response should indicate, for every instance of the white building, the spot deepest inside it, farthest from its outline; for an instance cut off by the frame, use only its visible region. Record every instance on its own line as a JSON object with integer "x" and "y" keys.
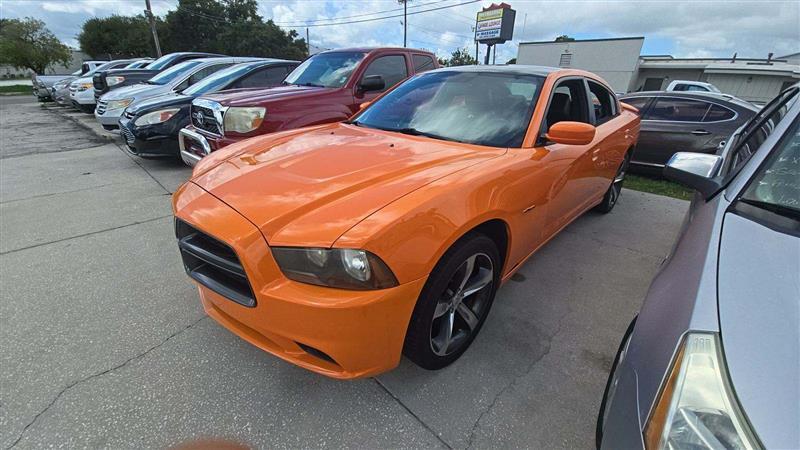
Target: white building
{"x": 619, "y": 61}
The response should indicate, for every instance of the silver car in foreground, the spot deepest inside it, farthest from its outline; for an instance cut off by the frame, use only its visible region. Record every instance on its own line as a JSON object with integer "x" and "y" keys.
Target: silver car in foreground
{"x": 713, "y": 359}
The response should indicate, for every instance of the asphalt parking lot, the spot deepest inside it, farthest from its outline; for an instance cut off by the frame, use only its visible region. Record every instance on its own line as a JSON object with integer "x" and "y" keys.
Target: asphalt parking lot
{"x": 105, "y": 344}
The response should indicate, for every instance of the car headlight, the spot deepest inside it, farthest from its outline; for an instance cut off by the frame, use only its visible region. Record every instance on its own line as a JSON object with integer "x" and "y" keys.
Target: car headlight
{"x": 244, "y": 120}
{"x": 156, "y": 117}
{"x": 696, "y": 407}
{"x": 334, "y": 267}
{"x": 117, "y": 104}
{"x": 113, "y": 81}
{"x": 84, "y": 86}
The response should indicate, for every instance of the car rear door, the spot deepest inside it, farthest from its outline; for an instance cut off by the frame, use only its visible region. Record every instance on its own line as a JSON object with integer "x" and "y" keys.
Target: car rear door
{"x": 669, "y": 125}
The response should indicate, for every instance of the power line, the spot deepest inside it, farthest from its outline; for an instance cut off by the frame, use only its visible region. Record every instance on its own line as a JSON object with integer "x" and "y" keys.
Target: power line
{"x": 440, "y": 33}
{"x": 365, "y": 14}
{"x": 300, "y": 25}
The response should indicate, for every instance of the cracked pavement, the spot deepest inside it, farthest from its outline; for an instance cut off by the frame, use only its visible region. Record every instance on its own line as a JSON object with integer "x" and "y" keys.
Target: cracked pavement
{"x": 104, "y": 342}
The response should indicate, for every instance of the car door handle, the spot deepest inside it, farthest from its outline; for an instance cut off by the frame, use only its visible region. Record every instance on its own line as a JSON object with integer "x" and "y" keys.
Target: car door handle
{"x": 700, "y": 132}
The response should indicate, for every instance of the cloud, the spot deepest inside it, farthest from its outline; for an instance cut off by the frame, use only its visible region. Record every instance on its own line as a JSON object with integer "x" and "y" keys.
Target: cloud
{"x": 682, "y": 28}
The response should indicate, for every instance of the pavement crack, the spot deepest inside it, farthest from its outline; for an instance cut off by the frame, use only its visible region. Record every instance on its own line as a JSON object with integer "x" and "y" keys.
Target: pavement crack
{"x": 126, "y": 153}
{"x": 98, "y": 375}
{"x": 412, "y": 413}
{"x": 91, "y": 233}
{"x": 513, "y": 382}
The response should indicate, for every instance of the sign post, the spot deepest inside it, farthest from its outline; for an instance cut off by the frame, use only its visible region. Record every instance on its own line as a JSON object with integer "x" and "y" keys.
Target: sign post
{"x": 494, "y": 25}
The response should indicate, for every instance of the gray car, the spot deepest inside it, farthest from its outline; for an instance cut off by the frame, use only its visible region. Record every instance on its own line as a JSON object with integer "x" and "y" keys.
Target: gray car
{"x": 683, "y": 121}
{"x": 175, "y": 79}
{"x": 713, "y": 359}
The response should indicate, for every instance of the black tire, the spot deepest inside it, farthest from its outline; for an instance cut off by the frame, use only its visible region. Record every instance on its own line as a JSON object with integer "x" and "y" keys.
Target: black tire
{"x": 603, "y": 403}
{"x": 615, "y": 189}
{"x": 435, "y": 352}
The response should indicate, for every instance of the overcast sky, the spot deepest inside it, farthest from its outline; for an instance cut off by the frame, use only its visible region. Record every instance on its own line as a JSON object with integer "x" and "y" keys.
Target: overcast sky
{"x": 694, "y": 28}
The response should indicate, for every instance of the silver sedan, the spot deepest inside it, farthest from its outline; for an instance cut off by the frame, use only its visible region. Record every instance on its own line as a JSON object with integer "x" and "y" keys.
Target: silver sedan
{"x": 713, "y": 359}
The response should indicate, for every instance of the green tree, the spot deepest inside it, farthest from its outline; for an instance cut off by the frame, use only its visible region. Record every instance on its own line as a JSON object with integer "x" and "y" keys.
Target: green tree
{"x": 564, "y": 38}
{"x": 460, "y": 57}
{"x": 246, "y": 34}
{"x": 28, "y": 44}
{"x": 195, "y": 25}
{"x": 117, "y": 37}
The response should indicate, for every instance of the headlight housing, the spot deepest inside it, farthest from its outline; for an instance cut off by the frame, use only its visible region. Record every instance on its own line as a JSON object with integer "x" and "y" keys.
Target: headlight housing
{"x": 117, "y": 104}
{"x": 84, "y": 87}
{"x": 156, "y": 117}
{"x": 113, "y": 81}
{"x": 697, "y": 407}
{"x": 244, "y": 119}
{"x": 342, "y": 268}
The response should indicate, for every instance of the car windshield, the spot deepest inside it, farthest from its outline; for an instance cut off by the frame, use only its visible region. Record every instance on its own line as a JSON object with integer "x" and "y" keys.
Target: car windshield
{"x": 776, "y": 186}
{"x": 173, "y": 72}
{"x": 105, "y": 66}
{"x": 325, "y": 69}
{"x": 219, "y": 80}
{"x": 483, "y": 108}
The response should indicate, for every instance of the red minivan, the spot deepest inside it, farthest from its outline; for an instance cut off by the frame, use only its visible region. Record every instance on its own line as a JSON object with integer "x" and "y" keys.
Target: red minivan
{"x": 327, "y": 87}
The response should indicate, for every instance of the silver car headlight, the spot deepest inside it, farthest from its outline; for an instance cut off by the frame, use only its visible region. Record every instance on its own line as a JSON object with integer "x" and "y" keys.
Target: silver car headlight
{"x": 117, "y": 104}
{"x": 696, "y": 407}
{"x": 156, "y": 117}
{"x": 244, "y": 120}
{"x": 342, "y": 268}
{"x": 113, "y": 81}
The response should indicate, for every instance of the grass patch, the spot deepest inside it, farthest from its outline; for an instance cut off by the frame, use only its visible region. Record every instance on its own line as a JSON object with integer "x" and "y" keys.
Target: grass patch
{"x": 16, "y": 89}
{"x": 658, "y": 186}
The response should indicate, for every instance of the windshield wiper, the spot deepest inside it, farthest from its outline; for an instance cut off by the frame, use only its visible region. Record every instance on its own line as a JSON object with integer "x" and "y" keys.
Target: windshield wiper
{"x": 416, "y": 132}
{"x": 780, "y": 210}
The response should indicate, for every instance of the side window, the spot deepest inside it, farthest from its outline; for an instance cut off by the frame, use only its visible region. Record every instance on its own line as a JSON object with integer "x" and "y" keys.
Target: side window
{"x": 678, "y": 110}
{"x": 422, "y": 63}
{"x": 265, "y": 77}
{"x": 568, "y": 103}
{"x": 680, "y": 87}
{"x": 692, "y": 87}
{"x": 392, "y": 68}
{"x": 719, "y": 113}
{"x": 603, "y": 102}
{"x": 204, "y": 72}
{"x": 637, "y": 102}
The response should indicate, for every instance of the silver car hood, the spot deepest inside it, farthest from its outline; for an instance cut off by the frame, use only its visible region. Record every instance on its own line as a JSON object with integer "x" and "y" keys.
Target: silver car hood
{"x": 137, "y": 91}
{"x": 759, "y": 313}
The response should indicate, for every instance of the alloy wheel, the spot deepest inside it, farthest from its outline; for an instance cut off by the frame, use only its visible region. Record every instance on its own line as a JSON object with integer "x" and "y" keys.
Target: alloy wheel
{"x": 459, "y": 310}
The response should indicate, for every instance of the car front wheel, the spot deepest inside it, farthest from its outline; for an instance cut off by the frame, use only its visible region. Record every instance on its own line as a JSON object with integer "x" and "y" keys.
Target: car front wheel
{"x": 454, "y": 303}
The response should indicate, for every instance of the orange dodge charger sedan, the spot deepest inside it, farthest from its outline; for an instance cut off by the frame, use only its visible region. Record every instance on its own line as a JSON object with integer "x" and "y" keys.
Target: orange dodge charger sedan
{"x": 342, "y": 246}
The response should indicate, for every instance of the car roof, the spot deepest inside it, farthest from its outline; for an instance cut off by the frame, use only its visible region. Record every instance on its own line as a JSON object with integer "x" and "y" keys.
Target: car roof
{"x": 372, "y": 49}
{"x": 521, "y": 69}
{"x": 718, "y": 96}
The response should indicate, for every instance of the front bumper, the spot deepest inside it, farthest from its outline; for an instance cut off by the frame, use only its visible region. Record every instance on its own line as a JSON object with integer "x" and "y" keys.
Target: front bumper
{"x": 338, "y": 333}
{"x": 151, "y": 141}
{"x": 84, "y": 98}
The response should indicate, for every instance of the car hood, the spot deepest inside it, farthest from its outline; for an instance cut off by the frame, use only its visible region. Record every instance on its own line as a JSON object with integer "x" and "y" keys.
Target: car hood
{"x": 308, "y": 188}
{"x": 136, "y": 91}
{"x": 166, "y": 100}
{"x": 252, "y": 96}
{"x": 759, "y": 313}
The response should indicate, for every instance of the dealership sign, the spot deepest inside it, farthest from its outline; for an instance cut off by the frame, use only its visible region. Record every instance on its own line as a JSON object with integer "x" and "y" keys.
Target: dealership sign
{"x": 495, "y": 24}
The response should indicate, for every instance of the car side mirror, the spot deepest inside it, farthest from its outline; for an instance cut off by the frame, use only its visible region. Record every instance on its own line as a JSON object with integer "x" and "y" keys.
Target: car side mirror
{"x": 571, "y": 133}
{"x": 371, "y": 83}
{"x": 696, "y": 171}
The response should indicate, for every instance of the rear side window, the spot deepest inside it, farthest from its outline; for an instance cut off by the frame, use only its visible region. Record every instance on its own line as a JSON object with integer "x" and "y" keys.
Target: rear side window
{"x": 206, "y": 71}
{"x": 719, "y": 113}
{"x": 603, "y": 102}
{"x": 678, "y": 110}
{"x": 392, "y": 68}
{"x": 270, "y": 76}
{"x": 422, "y": 63}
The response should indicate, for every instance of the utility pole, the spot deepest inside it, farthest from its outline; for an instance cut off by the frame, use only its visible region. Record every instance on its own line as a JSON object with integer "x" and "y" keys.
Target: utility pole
{"x": 149, "y": 13}
{"x": 405, "y": 22}
{"x": 308, "y": 43}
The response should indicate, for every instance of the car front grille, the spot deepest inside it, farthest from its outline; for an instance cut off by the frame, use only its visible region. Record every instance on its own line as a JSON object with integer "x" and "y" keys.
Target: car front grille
{"x": 98, "y": 82}
{"x": 127, "y": 135}
{"x": 101, "y": 107}
{"x": 203, "y": 118}
{"x": 213, "y": 264}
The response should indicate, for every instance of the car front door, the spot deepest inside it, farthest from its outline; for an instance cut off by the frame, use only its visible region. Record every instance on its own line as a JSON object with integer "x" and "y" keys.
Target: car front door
{"x": 669, "y": 125}
{"x": 570, "y": 167}
{"x": 392, "y": 68}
